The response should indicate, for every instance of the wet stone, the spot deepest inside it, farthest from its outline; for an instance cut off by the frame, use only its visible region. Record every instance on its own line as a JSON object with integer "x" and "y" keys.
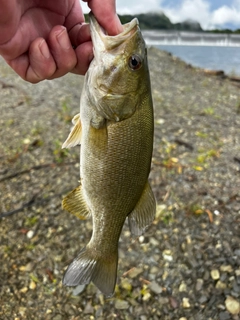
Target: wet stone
{"x": 58, "y": 317}
{"x": 121, "y": 304}
{"x": 221, "y": 285}
{"x": 135, "y": 272}
{"x": 226, "y": 268}
{"x": 163, "y": 300}
{"x": 154, "y": 287}
{"x": 185, "y": 303}
{"x": 199, "y": 284}
{"x": 88, "y": 308}
{"x": 215, "y": 274}
{"x": 232, "y": 305}
{"x": 183, "y": 287}
{"x": 237, "y": 252}
{"x": 224, "y": 316}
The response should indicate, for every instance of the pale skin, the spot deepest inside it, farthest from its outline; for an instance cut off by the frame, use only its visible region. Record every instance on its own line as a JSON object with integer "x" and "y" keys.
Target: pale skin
{"x": 45, "y": 39}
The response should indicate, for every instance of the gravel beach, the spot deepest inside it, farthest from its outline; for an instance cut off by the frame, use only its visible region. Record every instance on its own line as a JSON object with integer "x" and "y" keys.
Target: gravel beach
{"x": 187, "y": 264}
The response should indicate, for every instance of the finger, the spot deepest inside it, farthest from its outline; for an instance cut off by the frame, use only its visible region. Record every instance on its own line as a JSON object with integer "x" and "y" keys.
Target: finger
{"x": 106, "y": 15}
{"x": 79, "y": 34}
{"x": 75, "y": 16}
{"x": 62, "y": 51}
{"x": 10, "y": 14}
{"x": 84, "y": 54}
{"x": 36, "y": 65}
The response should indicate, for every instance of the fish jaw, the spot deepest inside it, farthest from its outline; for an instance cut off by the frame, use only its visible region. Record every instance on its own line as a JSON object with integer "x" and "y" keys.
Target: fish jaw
{"x": 114, "y": 84}
{"x": 103, "y": 42}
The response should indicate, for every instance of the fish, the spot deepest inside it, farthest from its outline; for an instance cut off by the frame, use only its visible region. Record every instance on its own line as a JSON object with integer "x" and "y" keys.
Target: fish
{"x": 115, "y": 130}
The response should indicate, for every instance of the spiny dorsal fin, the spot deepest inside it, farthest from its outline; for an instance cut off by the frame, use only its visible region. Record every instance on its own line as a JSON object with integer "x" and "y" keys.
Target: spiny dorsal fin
{"x": 75, "y": 203}
{"x": 144, "y": 212}
{"x": 74, "y": 138}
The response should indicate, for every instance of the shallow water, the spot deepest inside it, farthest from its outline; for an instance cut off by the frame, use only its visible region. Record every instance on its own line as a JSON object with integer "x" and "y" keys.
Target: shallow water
{"x": 208, "y": 57}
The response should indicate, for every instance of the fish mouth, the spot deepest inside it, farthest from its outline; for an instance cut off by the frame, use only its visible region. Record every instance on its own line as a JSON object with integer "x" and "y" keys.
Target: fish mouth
{"x": 102, "y": 41}
{"x": 112, "y": 94}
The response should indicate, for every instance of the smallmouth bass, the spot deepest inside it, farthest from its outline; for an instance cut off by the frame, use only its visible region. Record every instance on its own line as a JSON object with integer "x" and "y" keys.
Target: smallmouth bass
{"x": 115, "y": 130}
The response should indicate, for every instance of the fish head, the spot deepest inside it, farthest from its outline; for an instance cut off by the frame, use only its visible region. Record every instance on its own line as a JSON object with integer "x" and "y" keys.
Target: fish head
{"x": 118, "y": 75}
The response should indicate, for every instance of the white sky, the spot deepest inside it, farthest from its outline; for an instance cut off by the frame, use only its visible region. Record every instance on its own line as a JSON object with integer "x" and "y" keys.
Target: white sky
{"x": 209, "y": 13}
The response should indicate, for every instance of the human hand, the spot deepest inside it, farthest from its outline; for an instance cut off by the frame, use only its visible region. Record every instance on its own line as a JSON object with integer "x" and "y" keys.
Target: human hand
{"x": 36, "y": 37}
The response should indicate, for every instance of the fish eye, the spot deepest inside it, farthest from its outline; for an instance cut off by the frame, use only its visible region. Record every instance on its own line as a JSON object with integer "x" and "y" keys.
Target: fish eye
{"x": 135, "y": 62}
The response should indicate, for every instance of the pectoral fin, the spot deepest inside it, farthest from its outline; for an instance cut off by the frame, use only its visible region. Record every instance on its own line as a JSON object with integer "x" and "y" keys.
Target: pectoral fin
{"x": 74, "y": 137}
{"x": 75, "y": 203}
{"x": 98, "y": 139}
{"x": 144, "y": 212}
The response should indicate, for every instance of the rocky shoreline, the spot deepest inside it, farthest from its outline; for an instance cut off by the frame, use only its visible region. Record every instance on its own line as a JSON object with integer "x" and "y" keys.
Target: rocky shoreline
{"x": 187, "y": 264}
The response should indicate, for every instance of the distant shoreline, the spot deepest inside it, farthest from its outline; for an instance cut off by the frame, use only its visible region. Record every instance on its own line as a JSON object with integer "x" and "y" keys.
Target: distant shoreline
{"x": 190, "y": 38}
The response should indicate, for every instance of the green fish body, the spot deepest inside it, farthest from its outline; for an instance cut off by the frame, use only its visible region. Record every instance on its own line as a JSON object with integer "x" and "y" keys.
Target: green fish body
{"x": 115, "y": 130}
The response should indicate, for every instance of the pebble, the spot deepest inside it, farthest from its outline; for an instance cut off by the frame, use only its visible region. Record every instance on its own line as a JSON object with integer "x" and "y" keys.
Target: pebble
{"x": 146, "y": 296}
{"x": 135, "y": 272}
{"x": 203, "y": 299}
{"x": 88, "y": 308}
{"x": 167, "y": 255}
{"x": 224, "y": 316}
{"x": 30, "y": 234}
{"x": 227, "y": 268}
{"x": 79, "y": 289}
{"x": 237, "y": 252}
{"x": 183, "y": 287}
{"x": 24, "y": 290}
{"x": 163, "y": 300}
{"x": 154, "y": 270}
{"x": 27, "y": 268}
{"x": 125, "y": 284}
{"x": 32, "y": 285}
{"x": 173, "y": 302}
{"x": 121, "y": 304}
{"x": 215, "y": 274}
{"x": 185, "y": 303}
{"x": 58, "y": 317}
{"x": 221, "y": 285}
{"x": 199, "y": 284}
{"x": 154, "y": 287}
{"x": 232, "y": 305}
{"x": 26, "y": 141}
{"x": 237, "y": 272}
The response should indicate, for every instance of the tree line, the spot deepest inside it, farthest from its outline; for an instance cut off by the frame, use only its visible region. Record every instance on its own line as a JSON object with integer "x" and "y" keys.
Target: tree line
{"x": 159, "y": 21}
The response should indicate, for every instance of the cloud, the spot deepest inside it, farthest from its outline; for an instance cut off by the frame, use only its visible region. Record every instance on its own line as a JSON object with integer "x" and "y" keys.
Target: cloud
{"x": 198, "y": 10}
{"x": 227, "y": 15}
{"x": 132, "y": 7}
{"x": 141, "y": 6}
{"x": 180, "y": 10}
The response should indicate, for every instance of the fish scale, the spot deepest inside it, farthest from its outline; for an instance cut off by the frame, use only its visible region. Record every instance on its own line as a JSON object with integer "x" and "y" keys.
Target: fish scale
{"x": 115, "y": 129}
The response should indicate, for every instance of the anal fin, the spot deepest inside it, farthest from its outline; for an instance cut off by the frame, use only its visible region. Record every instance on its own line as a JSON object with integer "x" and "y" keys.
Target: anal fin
{"x": 75, "y": 203}
{"x": 74, "y": 138}
{"x": 144, "y": 212}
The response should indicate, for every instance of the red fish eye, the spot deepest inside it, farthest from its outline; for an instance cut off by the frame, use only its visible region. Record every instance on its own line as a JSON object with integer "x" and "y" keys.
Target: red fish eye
{"x": 135, "y": 62}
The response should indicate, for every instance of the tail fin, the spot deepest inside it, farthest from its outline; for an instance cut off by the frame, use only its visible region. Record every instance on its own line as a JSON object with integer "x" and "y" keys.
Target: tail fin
{"x": 88, "y": 266}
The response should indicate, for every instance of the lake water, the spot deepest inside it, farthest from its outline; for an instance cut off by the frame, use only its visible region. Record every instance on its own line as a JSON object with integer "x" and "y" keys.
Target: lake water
{"x": 208, "y": 57}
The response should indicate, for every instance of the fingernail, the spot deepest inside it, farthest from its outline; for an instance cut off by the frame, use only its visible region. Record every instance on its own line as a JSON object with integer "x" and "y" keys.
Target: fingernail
{"x": 63, "y": 40}
{"x": 44, "y": 49}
